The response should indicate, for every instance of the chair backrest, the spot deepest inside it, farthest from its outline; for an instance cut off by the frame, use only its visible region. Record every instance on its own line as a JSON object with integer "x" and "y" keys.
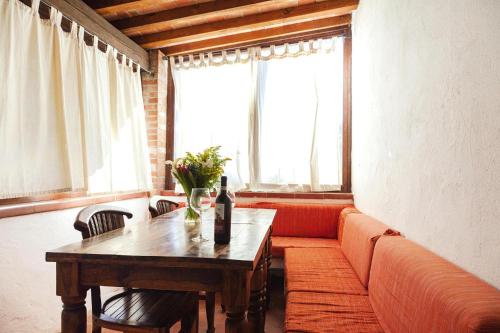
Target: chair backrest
{"x": 161, "y": 206}
{"x": 98, "y": 219}
{"x": 164, "y": 206}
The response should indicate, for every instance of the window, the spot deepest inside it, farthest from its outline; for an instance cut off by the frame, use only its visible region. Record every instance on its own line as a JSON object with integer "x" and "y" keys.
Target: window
{"x": 277, "y": 113}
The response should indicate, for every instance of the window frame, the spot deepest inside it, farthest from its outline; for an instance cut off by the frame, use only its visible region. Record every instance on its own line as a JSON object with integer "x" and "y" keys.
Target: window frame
{"x": 346, "y": 122}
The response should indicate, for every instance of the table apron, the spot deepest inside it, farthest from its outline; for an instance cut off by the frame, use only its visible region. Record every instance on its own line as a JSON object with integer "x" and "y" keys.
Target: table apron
{"x": 161, "y": 278}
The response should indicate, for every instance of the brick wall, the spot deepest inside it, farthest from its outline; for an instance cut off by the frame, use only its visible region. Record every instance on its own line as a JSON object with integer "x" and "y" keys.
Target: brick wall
{"x": 154, "y": 91}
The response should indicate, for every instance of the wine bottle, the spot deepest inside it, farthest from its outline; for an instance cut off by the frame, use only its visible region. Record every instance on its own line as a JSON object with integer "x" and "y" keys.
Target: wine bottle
{"x": 222, "y": 223}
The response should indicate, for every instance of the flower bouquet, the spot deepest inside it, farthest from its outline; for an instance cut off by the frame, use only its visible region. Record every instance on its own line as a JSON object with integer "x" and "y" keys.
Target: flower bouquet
{"x": 201, "y": 170}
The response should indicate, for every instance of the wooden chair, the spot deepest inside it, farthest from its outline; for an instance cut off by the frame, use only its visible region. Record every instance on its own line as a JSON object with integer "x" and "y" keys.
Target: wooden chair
{"x": 161, "y": 206}
{"x": 164, "y": 206}
{"x": 134, "y": 310}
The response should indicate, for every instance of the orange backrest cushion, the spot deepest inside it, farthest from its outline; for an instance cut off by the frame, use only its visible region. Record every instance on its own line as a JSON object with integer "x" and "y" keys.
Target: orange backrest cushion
{"x": 413, "y": 290}
{"x": 302, "y": 220}
{"x": 343, "y": 215}
{"x": 360, "y": 234}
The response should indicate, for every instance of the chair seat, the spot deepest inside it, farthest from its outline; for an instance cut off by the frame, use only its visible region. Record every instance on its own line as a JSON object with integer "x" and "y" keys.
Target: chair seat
{"x": 146, "y": 308}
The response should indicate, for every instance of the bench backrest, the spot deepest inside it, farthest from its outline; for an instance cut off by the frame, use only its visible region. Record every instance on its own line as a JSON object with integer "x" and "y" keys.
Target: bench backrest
{"x": 342, "y": 218}
{"x": 359, "y": 237}
{"x": 303, "y": 220}
{"x": 413, "y": 290}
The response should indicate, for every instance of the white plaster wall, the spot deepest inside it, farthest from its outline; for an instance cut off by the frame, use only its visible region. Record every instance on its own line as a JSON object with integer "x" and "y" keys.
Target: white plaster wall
{"x": 426, "y": 124}
{"x": 28, "y": 301}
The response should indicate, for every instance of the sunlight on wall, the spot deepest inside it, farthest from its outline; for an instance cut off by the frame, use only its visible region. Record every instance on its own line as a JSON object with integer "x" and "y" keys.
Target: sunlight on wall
{"x": 426, "y": 125}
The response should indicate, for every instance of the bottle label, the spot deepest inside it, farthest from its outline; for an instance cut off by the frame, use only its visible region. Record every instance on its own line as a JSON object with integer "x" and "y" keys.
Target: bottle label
{"x": 219, "y": 218}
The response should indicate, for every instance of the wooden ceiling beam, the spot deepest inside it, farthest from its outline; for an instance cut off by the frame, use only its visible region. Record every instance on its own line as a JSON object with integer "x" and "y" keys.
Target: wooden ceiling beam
{"x": 101, "y": 4}
{"x": 304, "y": 30}
{"x": 266, "y": 21}
{"x": 156, "y": 21}
{"x": 78, "y": 11}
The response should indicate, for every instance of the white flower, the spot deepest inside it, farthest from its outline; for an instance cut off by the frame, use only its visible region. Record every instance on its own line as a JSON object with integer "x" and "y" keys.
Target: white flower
{"x": 209, "y": 163}
{"x": 169, "y": 162}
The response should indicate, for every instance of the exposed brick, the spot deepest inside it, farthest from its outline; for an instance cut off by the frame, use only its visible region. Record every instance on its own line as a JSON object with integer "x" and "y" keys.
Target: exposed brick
{"x": 154, "y": 92}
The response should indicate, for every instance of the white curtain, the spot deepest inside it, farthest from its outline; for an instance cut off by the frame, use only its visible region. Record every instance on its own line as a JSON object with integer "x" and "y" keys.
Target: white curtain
{"x": 277, "y": 112}
{"x": 71, "y": 116}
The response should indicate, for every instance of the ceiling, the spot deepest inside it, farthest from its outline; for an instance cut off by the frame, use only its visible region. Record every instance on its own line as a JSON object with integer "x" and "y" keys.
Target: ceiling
{"x": 184, "y": 26}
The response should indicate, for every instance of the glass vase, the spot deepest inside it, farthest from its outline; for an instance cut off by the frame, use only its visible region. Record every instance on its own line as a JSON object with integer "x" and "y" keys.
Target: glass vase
{"x": 190, "y": 216}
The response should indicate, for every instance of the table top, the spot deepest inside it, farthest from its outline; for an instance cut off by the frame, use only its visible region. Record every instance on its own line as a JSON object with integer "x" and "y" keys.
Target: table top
{"x": 166, "y": 241}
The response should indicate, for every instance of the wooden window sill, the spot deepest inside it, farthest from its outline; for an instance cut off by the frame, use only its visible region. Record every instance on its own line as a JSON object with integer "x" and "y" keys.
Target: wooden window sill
{"x": 281, "y": 195}
{"x": 10, "y": 210}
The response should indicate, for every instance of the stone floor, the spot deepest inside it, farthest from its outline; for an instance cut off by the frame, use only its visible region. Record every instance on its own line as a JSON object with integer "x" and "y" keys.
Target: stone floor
{"x": 274, "y": 317}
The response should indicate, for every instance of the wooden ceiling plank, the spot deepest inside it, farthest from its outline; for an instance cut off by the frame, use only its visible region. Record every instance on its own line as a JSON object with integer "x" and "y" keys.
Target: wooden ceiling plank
{"x": 78, "y": 11}
{"x": 101, "y": 4}
{"x": 262, "y": 36}
{"x": 133, "y": 26}
{"x": 248, "y": 23}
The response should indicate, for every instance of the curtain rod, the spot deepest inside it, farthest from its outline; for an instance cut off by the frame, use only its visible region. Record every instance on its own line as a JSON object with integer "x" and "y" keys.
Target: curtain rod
{"x": 245, "y": 48}
{"x": 312, "y": 36}
{"x": 93, "y": 35}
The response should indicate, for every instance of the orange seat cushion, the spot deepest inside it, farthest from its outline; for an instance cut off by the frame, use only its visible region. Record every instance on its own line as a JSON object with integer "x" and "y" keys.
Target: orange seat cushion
{"x": 320, "y": 270}
{"x": 360, "y": 234}
{"x": 413, "y": 290}
{"x": 282, "y": 243}
{"x": 303, "y": 220}
{"x": 342, "y": 217}
{"x": 327, "y": 312}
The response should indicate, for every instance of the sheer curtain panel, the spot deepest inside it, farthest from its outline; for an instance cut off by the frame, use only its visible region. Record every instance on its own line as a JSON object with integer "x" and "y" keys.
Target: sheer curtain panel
{"x": 71, "y": 116}
{"x": 212, "y": 111}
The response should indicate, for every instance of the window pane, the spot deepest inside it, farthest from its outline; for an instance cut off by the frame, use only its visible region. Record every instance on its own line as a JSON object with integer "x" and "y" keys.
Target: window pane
{"x": 288, "y": 105}
{"x": 301, "y": 106}
{"x": 329, "y": 71}
{"x": 212, "y": 109}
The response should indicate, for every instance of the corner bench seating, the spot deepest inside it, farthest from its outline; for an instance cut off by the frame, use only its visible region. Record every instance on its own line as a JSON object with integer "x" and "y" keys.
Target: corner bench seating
{"x": 347, "y": 272}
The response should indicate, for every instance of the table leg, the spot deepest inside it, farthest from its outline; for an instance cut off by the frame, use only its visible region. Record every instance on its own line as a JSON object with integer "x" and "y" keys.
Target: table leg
{"x": 210, "y": 310}
{"x": 74, "y": 313}
{"x": 236, "y": 294}
{"x": 268, "y": 271}
{"x": 264, "y": 290}
{"x": 256, "y": 310}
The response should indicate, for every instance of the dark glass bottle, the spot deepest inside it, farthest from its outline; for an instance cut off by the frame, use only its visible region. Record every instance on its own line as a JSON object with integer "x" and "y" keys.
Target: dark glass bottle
{"x": 222, "y": 223}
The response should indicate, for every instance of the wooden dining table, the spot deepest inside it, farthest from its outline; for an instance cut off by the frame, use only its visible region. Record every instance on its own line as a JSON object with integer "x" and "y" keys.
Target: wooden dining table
{"x": 159, "y": 254}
